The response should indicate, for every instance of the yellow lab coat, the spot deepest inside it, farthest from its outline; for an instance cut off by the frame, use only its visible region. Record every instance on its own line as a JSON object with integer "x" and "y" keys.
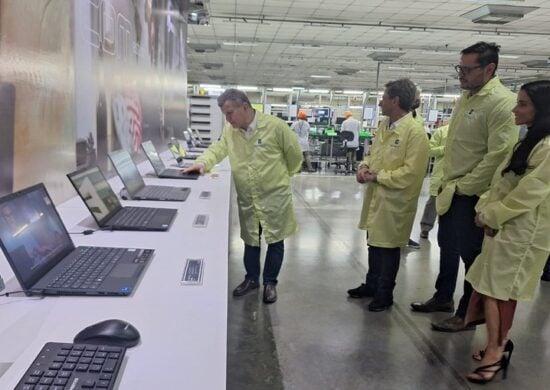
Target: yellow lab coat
{"x": 481, "y": 133}
{"x": 437, "y": 151}
{"x": 399, "y": 157}
{"x": 510, "y": 263}
{"x": 261, "y": 168}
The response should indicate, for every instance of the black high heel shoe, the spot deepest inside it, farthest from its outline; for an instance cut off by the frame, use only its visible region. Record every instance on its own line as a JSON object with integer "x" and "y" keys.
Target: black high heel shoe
{"x": 509, "y": 347}
{"x": 501, "y": 365}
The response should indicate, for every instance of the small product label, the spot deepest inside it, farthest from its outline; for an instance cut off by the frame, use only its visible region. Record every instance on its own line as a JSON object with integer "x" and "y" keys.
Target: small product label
{"x": 193, "y": 271}
{"x": 200, "y": 221}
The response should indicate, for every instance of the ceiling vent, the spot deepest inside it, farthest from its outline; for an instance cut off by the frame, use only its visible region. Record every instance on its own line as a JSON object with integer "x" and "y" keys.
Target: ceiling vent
{"x": 197, "y": 13}
{"x": 382, "y": 56}
{"x": 346, "y": 72}
{"x": 497, "y": 13}
{"x": 212, "y": 65}
{"x": 204, "y": 47}
{"x": 537, "y": 63}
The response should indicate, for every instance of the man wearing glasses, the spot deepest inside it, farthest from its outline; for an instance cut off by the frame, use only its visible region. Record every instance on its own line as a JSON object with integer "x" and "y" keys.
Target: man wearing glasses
{"x": 481, "y": 133}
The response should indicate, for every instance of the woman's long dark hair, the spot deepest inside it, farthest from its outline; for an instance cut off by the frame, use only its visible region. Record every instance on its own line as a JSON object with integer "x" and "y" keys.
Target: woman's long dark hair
{"x": 539, "y": 93}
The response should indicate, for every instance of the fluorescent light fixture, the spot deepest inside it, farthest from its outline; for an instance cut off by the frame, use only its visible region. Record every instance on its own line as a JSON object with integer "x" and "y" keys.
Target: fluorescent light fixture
{"x": 399, "y": 68}
{"x": 397, "y": 29}
{"x": 330, "y": 25}
{"x": 319, "y": 76}
{"x": 497, "y": 34}
{"x": 355, "y": 107}
{"x": 318, "y": 91}
{"x": 508, "y": 56}
{"x": 439, "y": 53}
{"x": 279, "y": 105}
{"x": 282, "y": 89}
{"x": 382, "y": 49}
{"x": 240, "y": 44}
{"x": 210, "y": 86}
{"x": 304, "y": 46}
{"x": 352, "y": 92}
{"x": 247, "y": 88}
{"x": 298, "y": 88}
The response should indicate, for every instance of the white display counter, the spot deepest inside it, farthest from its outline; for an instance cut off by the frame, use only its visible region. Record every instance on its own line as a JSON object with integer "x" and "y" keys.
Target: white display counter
{"x": 183, "y": 327}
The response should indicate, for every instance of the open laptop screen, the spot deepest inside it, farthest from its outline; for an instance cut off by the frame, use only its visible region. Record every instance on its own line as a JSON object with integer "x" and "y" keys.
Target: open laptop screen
{"x": 32, "y": 235}
{"x": 153, "y": 156}
{"x": 94, "y": 190}
{"x": 127, "y": 171}
{"x": 175, "y": 147}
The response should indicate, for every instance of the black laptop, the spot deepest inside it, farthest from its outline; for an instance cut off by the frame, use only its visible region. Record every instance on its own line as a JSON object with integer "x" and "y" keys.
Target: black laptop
{"x": 106, "y": 209}
{"x": 179, "y": 153}
{"x": 45, "y": 260}
{"x": 135, "y": 186}
{"x": 197, "y": 139}
{"x": 160, "y": 168}
{"x": 192, "y": 144}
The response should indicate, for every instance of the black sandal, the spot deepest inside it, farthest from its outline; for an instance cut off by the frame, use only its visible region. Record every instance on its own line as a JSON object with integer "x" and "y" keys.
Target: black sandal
{"x": 502, "y": 364}
{"x": 509, "y": 347}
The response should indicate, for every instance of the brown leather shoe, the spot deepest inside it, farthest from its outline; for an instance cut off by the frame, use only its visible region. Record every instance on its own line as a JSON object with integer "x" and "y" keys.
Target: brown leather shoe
{"x": 270, "y": 293}
{"x": 452, "y": 324}
{"x": 245, "y": 287}
{"x": 432, "y": 305}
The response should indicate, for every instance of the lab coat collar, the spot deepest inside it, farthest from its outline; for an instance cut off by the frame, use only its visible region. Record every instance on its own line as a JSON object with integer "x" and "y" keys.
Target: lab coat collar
{"x": 251, "y": 129}
{"x": 394, "y": 128}
{"x": 487, "y": 89}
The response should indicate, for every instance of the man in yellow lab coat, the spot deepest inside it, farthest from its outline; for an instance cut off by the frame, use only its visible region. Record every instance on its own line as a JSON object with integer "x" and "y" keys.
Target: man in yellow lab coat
{"x": 437, "y": 151}
{"x": 264, "y": 153}
{"x": 394, "y": 171}
{"x": 481, "y": 133}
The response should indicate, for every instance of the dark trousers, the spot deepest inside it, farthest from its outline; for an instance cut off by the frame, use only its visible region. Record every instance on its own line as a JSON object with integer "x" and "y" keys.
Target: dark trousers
{"x": 273, "y": 261}
{"x": 383, "y": 267}
{"x": 458, "y": 237}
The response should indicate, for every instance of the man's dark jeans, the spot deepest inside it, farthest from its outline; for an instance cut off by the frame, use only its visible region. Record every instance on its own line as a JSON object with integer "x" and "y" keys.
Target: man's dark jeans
{"x": 458, "y": 237}
{"x": 273, "y": 262}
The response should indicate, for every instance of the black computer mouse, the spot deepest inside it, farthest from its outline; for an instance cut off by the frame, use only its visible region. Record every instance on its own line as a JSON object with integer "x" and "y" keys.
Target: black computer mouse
{"x": 109, "y": 332}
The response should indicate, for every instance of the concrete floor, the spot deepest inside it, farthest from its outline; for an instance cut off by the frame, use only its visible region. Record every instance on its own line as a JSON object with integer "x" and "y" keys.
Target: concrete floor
{"x": 315, "y": 337}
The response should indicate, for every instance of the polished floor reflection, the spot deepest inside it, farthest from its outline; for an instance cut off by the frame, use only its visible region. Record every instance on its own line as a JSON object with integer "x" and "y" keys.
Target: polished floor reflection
{"x": 315, "y": 337}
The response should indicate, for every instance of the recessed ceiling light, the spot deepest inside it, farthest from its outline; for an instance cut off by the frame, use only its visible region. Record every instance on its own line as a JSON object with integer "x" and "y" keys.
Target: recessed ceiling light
{"x": 318, "y": 91}
{"x": 240, "y": 44}
{"x": 318, "y": 76}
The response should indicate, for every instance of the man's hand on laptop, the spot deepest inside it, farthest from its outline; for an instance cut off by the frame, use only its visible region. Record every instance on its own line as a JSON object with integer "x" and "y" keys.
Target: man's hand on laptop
{"x": 196, "y": 167}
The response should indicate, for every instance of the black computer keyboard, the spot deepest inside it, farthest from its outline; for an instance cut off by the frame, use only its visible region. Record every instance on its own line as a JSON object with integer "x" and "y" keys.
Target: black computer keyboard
{"x": 134, "y": 216}
{"x": 62, "y": 366}
{"x": 89, "y": 269}
{"x": 163, "y": 192}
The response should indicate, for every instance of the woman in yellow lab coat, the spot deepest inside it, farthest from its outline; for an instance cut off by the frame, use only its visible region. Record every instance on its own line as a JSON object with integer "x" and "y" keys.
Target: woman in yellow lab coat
{"x": 515, "y": 214}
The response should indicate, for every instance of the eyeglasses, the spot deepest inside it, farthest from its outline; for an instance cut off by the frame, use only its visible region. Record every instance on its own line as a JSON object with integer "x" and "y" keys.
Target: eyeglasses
{"x": 466, "y": 69}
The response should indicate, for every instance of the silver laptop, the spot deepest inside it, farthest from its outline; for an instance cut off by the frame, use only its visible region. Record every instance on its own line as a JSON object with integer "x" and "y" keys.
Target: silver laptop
{"x": 135, "y": 186}
{"x": 45, "y": 260}
{"x": 159, "y": 167}
{"x": 106, "y": 209}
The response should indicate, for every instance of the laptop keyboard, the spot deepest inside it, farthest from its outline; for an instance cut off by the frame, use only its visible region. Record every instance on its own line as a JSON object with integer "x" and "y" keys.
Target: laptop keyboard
{"x": 73, "y": 366}
{"x": 164, "y": 192}
{"x": 89, "y": 269}
{"x": 134, "y": 216}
